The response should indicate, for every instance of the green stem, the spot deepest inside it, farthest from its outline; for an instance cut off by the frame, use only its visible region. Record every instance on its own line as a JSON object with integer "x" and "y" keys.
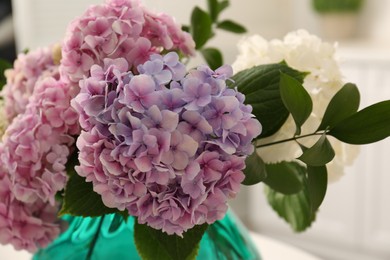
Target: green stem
{"x": 289, "y": 139}
{"x": 94, "y": 240}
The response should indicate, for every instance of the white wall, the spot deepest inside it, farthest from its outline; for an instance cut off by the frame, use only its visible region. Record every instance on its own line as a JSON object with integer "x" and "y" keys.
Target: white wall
{"x": 374, "y": 20}
{"x": 42, "y": 22}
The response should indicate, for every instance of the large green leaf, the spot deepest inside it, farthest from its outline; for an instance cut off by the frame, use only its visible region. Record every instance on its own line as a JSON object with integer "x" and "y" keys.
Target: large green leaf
{"x": 213, "y": 57}
{"x": 295, "y": 209}
{"x": 154, "y": 244}
{"x": 369, "y": 125}
{"x": 317, "y": 183}
{"x": 285, "y": 177}
{"x": 81, "y": 200}
{"x": 260, "y": 85}
{"x": 296, "y": 99}
{"x": 231, "y": 26}
{"x": 255, "y": 170}
{"x": 200, "y": 27}
{"x": 319, "y": 154}
{"x": 344, "y": 104}
{"x": 299, "y": 209}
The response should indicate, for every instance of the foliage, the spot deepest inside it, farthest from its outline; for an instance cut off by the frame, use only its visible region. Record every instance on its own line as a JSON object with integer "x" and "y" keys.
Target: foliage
{"x": 151, "y": 243}
{"x": 203, "y": 28}
{"x": 260, "y": 85}
{"x": 79, "y": 198}
{"x": 295, "y": 190}
{"x": 4, "y": 65}
{"x": 337, "y": 6}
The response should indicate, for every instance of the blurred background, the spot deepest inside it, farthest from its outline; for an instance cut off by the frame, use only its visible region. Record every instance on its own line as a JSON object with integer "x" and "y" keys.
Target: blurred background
{"x": 353, "y": 222}
{"x": 7, "y": 41}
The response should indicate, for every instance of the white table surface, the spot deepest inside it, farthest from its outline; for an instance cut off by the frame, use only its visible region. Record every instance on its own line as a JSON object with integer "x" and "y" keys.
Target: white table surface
{"x": 270, "y": 249}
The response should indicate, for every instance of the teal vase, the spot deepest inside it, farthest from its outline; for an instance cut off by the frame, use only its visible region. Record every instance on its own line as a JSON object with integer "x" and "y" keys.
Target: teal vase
{"x": 225, "y": 239}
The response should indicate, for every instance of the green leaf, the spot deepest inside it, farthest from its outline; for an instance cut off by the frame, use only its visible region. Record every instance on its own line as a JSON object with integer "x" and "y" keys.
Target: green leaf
{"x": 231, "y": 26}
{"x": 284, "y": 177}
{"x": 81, "y": 200}
{"x": 319, "y": 154}
{"x": 200, "y": 27}
{"x": 73, "y": 160}
{"x": 213, "y": 57}
{"x": 260, "y": 85}
{"x": 369, "y": 125}
{"x": 296, "y": 99}
{"x": 4, "y": 65}
{"x": 213, "y": 7}
{"x": 222, "y": 6}
{"x": 317, "y": 183}
{"x": 339, "y": 6}
{"x": 152, "y": 243}
{"x": 255, "y": 170}
{"x": 295, "y": 209}
{"x": 344, "y": 104}
{"x": 185, "y": 28}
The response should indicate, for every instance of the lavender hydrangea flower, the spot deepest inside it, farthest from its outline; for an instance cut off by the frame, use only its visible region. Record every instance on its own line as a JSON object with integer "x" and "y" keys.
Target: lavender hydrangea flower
{"x": 163, "y": 69}
{"x": 174, "y": 144}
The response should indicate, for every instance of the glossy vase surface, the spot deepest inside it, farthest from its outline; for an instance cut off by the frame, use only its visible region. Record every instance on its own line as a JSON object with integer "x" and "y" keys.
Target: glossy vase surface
{"x": 225, "y": 239}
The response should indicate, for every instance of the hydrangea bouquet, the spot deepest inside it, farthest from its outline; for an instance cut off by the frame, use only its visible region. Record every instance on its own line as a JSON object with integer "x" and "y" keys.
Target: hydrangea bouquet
{"x": 112, "y": 121}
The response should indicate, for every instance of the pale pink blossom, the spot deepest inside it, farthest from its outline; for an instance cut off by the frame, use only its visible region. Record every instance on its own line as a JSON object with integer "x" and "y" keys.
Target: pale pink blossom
{"x": 27, "y": 226}
{"x": 27, "y": 70}
{"x": 119, "y": 29}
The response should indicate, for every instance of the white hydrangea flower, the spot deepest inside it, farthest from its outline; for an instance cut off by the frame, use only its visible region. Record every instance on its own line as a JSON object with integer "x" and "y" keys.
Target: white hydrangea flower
{"x": 3, "y": 119}
{"x": 304, "y": 52}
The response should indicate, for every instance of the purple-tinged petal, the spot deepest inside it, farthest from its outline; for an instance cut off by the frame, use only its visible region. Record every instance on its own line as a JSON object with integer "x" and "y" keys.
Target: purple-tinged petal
{"x": 170, "y": 120}
{"x": 143, "y": 164}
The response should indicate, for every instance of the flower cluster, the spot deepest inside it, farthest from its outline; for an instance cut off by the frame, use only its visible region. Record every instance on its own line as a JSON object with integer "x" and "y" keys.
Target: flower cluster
{"x": 33, "y": 154}
{"x": 41, "y": 127}
{"x": 25, "y": 226}
{"x": 156, "y": 141}
{"x": 304, "y": 52}
{"x": 119, "y": 28}
{"x": 167, "y": 147}
{"x": 36, "y": 143}
{"x": 28, "y": 68}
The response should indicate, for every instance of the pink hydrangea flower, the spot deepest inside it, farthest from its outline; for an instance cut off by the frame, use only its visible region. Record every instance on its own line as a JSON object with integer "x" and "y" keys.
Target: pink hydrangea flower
{"x": 147, "y": 151}
{"x": 119, "y": 28}
{"x": 28, "y": 226}
{"x": 33, "y": 155}
{"x": 27, "y": 70}
{"x": 37, "y": 143}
